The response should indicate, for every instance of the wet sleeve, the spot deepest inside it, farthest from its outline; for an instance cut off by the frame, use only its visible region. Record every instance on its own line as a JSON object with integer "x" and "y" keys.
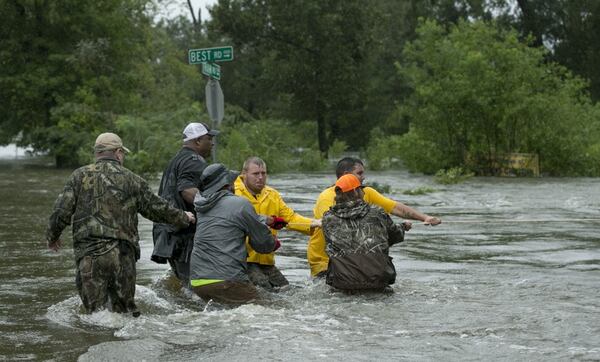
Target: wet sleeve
{"x": 316, "y": 253}
{"x": 156, "y": 209}
{"x": 189, "y": 175}
{"x": 395, "y": 231}
{"x": 260, "y": 238}
{"x": 295, "y": 221}
{"x": 62, "y": 211}
{"x": 324, "y": 203}
{"x": 327, "y": 227}
{"x": 375, "y": 198}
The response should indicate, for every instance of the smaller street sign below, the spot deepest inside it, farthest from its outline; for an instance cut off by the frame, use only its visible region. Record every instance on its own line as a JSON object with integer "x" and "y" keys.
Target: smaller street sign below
{"x": 218, "y": 54}
{"x": 212, "y": 70}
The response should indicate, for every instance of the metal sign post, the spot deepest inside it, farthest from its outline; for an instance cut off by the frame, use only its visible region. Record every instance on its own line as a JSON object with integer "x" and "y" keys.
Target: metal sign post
{"x": 215, "y": 105}
{"x": 214, "y": 95}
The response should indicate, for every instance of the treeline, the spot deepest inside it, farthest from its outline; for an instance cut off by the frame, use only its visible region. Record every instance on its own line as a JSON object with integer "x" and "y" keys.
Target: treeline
{"x": 431, "y": 84}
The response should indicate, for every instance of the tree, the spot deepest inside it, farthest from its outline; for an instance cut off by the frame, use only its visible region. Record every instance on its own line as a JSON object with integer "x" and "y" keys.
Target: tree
{"x": 72, "y": 69}
{"x": 312, "y": 52}
{"x": 568, "y": 28}
{"x": 479, "y": 92}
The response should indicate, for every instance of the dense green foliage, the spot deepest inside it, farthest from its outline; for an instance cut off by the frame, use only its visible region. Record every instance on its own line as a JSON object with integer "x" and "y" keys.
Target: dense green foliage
{"x": 272, "y": 141}
{"x": 454, "y": 175}
{"x": 479, "y": 93}
{"x": 311, "y": 53}
{"x": 428, "y": 84}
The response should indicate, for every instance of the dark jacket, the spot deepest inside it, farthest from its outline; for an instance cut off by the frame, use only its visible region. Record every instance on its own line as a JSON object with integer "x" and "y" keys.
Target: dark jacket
{"x": 223, "y": 222}
{"x": 183, "y": 172}
{"x": 358, "y": 237}
{"x": 103, "y": 200}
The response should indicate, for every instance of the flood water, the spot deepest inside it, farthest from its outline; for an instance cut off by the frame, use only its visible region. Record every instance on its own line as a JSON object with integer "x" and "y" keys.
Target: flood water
{"x": 490, "y": 283}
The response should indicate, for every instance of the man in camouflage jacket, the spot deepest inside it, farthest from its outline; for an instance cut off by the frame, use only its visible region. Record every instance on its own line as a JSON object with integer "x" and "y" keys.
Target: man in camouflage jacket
{"x": 103, "y": 200}
{"x": 358, "y": 237}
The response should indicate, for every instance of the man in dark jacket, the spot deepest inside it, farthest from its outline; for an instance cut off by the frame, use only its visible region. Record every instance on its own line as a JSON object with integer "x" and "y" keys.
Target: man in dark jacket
{"x": 358, "y": 237}
{"x": 103, "y": 200}
{"x": 218, "y": 264}
{"x": 179, "y": 185}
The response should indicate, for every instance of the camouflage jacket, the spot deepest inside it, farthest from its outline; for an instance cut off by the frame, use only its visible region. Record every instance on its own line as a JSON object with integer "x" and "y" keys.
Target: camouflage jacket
{"x": 358, "y": 237}
{"x": 103, "y": 200}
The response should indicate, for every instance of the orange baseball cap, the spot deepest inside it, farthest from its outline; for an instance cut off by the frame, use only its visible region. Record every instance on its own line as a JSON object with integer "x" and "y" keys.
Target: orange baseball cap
{"x": 348, "y": 182}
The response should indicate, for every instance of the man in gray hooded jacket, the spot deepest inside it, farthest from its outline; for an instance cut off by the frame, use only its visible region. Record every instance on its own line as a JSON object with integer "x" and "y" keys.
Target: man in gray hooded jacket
{"x": 218, "y": 264}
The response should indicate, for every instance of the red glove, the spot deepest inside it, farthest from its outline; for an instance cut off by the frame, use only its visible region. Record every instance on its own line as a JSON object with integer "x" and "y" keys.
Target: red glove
{"x": 277, "y": 243}
{"x": 278, "y": 223}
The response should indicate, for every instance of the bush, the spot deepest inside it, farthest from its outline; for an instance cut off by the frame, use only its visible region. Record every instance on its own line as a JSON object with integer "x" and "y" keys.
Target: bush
{"x": 419, "y": 154}
{"x": 337, "y": 149}
{"x": 480, "y": 92}
{"x": 419, "y": 191}
{"x": 410, "y": 150}
{"x": 454, "y": 175}
{"x": 281, "y": 144}
{"x": 382, "y": 188}
{"x": 383, "y": 151}
{"x": 311, "y": 160}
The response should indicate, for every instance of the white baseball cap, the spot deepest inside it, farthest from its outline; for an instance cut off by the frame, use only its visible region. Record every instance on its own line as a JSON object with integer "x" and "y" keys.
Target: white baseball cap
{"x": 195, "y": 130}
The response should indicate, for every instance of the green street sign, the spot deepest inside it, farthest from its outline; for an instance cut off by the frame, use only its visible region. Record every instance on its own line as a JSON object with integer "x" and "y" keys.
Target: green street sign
{"x": 219, "y": 54}
{"x": 212, "y": 70}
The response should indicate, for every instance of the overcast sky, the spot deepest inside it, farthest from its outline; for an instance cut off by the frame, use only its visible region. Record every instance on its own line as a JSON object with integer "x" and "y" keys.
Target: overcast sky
{"x": 174, "y": 8}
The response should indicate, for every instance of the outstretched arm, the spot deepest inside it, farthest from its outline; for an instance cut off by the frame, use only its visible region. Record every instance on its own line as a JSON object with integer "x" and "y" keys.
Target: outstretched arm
{"x": 397, "y": 208}
{"x": 407, "y": 212}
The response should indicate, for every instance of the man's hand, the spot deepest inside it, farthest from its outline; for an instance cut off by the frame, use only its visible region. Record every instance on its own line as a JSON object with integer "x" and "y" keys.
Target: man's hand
{"x": 191, "y": 217}
{"x": 430, "y": 220}
{"x": 316, "y": 223}
{"x": 277, "y": 243}
{"x": 278, "y": 223}
{"x": 54, "y": 245}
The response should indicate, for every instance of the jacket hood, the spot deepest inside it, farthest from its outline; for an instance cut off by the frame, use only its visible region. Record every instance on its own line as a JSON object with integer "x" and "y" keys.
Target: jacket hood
{"x": 351, "y": 210}
{"x": 203, "y": 203}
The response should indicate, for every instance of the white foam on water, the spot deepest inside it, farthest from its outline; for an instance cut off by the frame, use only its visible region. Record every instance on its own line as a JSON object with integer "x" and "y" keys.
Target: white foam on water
{"x": 574, "y": 203}
{"x": 585, "y": 353}
{"x": 4, "y": 321}
{"x": 106, "y": 319}
{"x": 65, "y": 313}
{"x": 148, "y": 349}
{"x": 19, "y": 339}
{"x": 68, "y": 312}
{"x": 149, "y": 297}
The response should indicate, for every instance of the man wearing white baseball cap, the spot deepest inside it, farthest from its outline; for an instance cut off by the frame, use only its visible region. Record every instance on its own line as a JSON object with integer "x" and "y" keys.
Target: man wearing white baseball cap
{"x": 196, "y": 130}
{"x": 179, "y": 185}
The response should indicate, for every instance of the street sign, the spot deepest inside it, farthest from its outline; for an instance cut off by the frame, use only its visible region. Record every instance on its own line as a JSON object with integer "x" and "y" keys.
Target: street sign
{"x": 218, "y": 54}
{"x": 212, "y": 70}
{"x": 214, "y": 101}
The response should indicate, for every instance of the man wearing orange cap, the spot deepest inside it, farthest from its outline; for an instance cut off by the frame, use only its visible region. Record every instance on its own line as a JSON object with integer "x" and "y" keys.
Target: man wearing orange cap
{"x": 102, "y": 201}
{"x": 358, "y": 238}
{"x": 317, "y": 257}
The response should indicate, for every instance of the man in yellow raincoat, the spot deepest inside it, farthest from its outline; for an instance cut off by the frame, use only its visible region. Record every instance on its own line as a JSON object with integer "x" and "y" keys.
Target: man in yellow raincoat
{"x": 252, "y": 185}
{"x": 316, "y": 254}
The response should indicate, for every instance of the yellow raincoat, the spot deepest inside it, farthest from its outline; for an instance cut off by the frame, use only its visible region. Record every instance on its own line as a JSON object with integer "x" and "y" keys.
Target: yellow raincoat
{"x": 316, "y": 254}
{"x": 268, "y": 203}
